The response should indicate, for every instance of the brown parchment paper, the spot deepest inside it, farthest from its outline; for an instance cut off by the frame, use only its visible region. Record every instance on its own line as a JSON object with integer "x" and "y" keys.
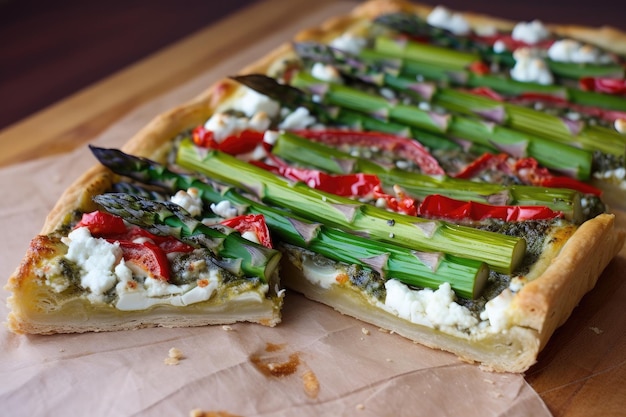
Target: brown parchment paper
{"x": 324, "y": 363}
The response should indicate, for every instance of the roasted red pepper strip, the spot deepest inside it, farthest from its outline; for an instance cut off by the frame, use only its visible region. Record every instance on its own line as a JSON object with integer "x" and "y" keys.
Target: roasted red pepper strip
{"x": 527, "y": 170}
{"x": 439, "y": 206}
{"x": 348, "y": 185}
{"x": 482, "y": 163}
{"x": 148, "y": 257}
{"x": 404, "y": 147}
{"x": 251, "y": 223}
{"x": 615, "y": 86}
{"x": 237, "y": 144}
{"x": 530, "y": 172}
{"x": 479, "y": 68}
{"x": 101, "y": 223}
{"x": 487, "y": 92}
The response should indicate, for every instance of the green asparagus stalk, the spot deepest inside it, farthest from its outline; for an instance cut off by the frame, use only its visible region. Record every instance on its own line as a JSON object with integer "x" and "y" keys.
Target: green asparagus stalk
{"x": 501, "y": 253}
{"x": 574, "y": 161}
{"x": 465, "y": 276}
{"x": 237, "y": 254}
{"x": 308, "y": 153}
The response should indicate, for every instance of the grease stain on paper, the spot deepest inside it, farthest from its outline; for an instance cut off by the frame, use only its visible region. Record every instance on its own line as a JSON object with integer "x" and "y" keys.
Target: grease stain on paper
{"x": 274, "y": 362}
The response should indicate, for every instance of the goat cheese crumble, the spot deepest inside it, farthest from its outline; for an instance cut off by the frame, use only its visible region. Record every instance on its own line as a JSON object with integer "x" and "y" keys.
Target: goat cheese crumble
{"x": 443, "y": 18}
{"x": 530, "y": 32}
{"x": 530, "y": 67}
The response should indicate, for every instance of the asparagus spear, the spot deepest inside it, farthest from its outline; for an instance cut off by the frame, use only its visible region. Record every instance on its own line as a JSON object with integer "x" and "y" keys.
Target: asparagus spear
{"x": 465, "y": 276}
{"x": 308, "y": 153}
{"x": 501, "y": 253}
{"x": 239, "y": 255}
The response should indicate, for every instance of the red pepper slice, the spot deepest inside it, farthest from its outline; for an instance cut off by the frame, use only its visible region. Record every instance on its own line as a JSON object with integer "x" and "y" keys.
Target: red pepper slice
{"x": 530, "y": 172}
{"x": 251, "y": 223}
{"x": 101, "y": 223}
{"x": 242, "y": 142}
{"x": 482, "y": 163}
{"x": 527, "y": 170}
{"x": 203, "y": 137}
{"x": 571, "y": 183}
{"x": 147, "y": 256}
{"x": 348, "y": 185}
{"x": 479, "y": 68}
{"x": 486, "y": 92}
{"x": 439, "y": 206}
{"x": 615, "y": 86}
{"x": 404, "y": 147}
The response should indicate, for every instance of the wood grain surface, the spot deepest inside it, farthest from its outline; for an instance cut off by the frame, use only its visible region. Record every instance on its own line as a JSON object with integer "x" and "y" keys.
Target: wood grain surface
{"x": 582, "y": 371}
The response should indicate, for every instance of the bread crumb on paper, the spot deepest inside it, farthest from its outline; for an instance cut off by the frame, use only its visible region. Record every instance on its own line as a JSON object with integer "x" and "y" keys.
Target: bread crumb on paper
{"x": 365, "y": 331}
{"x": 174, "y": 356}
{"x": 360, "y": 407}
{"x": 596, "y": 330}
{"x": 227, "y": 328}
{"x": 311, "y": 384}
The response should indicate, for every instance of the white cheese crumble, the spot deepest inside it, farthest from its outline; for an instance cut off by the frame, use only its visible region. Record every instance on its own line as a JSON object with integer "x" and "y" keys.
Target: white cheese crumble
{"x": 530, "y": 67}
{"x": 435, "y": 309}
{"x": 97, "y": 260}
{"x": 349, "y": 43}
{"x": 530, "y": 32}
{"x": 496, "y": 311}
{"x": 570, "y": 50}
{"x": 225, "y": 209}
{"x": 443, "y": 18}
{"x": 300, "y": 118}
{"x": 499, "y": 46}
{"x": 253, "y": 102}
{"x": 189, "y": 200}
{"x": 326, "y": 73}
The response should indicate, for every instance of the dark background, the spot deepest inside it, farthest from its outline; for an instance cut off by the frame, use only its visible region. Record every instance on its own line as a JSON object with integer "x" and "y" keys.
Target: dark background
{"x": 52, "y": 48}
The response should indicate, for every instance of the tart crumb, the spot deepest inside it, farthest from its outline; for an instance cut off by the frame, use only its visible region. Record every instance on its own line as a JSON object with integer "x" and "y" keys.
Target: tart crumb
{"x": 174, "y": 356}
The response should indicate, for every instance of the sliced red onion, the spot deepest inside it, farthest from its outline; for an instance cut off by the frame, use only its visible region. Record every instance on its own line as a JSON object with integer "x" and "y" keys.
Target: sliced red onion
{"x": 495, "y": 114}
{"x": 230, "y": 264}
{"x": 425, "y": 90}
{"x": 516, "y": 150}
{"x": 319, "y": 89}
{"x": 348, "y": 210}
{"x": 458, "y": 77}
{"x": 346, "y": 165}
{"x": 441, "y": 120}
{"x": 307, "y": 231}
{"x": 376, "y": 79}
{"x": 378, "y": 263}
{"x": 574, "y": 126}
{"x": 381, "y": 114}
{"x": 501, "y": 198}
{"x": 257, "y": 255}
{"x": 428, "y": 228}
{"x": 430, "y": 259}
{"x": 463, "y": 143}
